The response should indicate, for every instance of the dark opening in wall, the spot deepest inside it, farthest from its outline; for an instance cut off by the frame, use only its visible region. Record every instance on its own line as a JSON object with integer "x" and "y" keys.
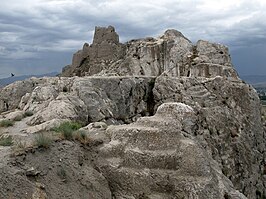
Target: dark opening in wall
{"x": 150, "y": 98}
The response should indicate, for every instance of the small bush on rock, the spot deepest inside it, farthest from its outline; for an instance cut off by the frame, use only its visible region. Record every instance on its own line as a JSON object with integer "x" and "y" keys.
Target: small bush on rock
{"x": 6, "y": 141}
{"x": 82, "y": 137}
{"x": 67, "y": 129}
{"x": 28, "y": 113}
{"x": 18, "y": 118}
{"x": 6, "y": 123}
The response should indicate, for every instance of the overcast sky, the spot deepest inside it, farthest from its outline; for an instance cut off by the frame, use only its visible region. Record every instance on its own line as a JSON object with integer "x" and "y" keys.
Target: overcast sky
{"x": 40, "y": 36}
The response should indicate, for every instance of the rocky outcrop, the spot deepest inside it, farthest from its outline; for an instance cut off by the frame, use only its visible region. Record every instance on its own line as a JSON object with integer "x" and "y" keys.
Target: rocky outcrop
{"x": 94, "y": 58}
{"x": 12, "y": 94}
{"x": 113, "y": 100}
{"x": 165, "y": 119}
{"x": 171, "y": 54}
{"x": 157, "y": 157}
{"x": 228, "y": 127}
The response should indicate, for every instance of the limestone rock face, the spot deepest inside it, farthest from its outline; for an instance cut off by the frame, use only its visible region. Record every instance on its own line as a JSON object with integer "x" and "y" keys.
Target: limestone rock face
{"x": 171, "y": 54}
{"x": 12, "y": 94}
{"x": 113, "y": 100}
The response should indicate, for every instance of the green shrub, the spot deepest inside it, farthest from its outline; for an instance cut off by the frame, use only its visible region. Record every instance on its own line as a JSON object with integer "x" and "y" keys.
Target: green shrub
{"x": 81, "y": 136}
{"x": 6, "y": 123}
{"x": 67, "y": 129}
{"x": 6, "y": 141}
{"x": 18, "y": 118}
{"x": 42, "y": 140}
{"x": 28, "y": 113}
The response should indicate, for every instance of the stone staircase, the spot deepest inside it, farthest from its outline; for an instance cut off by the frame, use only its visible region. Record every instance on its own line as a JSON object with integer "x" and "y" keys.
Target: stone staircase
{"x": 152, "y": 159}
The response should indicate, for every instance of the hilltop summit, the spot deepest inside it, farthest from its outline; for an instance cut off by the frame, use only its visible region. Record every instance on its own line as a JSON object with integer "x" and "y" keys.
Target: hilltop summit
{"x": 171, "y": 54}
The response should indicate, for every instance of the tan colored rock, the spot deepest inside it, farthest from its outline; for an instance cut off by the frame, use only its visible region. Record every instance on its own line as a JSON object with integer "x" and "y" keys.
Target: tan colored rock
{"x": 16, "y": 115}
{"x": 63, "y": 107}
{"x": 45, "y": 126}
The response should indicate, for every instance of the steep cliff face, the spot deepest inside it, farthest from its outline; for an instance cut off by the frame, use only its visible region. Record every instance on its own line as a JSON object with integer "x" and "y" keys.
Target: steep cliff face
{"x": 165, "y": 119}
{"x": 171, "y": 54}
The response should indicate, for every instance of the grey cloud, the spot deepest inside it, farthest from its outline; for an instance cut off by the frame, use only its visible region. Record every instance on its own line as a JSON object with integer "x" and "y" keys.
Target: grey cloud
{"x": 42, "y": 33}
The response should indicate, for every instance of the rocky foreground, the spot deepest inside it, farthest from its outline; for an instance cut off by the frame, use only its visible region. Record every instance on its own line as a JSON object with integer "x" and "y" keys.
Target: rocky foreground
{"x": 164, "y": 119}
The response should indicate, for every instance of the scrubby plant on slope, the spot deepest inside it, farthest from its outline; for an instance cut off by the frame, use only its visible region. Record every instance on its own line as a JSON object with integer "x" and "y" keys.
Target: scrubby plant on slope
{"x": 6, "y": 141}
{"x": 67, "y": 129}
{"x": 28, "y": 113}
{"x": 81, "y": 136}
{"x": 42, "y": 140}
{"x": 6, "y": 123}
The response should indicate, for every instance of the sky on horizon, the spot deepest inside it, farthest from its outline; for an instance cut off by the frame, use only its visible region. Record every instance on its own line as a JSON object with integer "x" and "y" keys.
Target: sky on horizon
{"x": 40, "y": 36}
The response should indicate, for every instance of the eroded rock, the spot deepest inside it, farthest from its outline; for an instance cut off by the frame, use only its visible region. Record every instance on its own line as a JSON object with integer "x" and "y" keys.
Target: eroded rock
{"x": 228, "y": 127}
{"x": 172, "y": 54}
{"x": 154, "y": 158}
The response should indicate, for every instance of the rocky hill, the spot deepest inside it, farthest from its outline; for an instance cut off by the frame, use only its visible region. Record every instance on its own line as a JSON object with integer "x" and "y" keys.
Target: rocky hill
{"x": 171, "y": 54}
{"x": 163, "y": 118}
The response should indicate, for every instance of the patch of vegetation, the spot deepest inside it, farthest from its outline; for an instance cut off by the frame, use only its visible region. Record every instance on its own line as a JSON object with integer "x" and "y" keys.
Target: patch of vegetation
{"x": 42, "y": 140}
{"x": 6, "y": 123}
{"x": 18, "y": 118}
{"x": 6, "y": 141}
{"x": 81, "y": 136}
{"x": 67, "y": 129}
{"x": 28, "y": 113}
